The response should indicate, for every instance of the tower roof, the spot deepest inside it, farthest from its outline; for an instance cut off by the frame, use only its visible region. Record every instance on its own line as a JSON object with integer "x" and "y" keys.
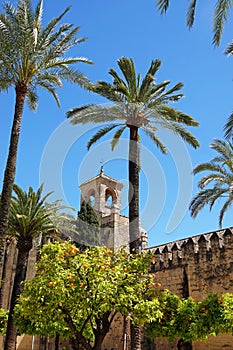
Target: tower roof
{"x": 101, "y": 177}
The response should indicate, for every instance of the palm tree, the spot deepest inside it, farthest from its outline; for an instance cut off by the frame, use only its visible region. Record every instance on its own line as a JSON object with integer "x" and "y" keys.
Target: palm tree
{"x": 30, "y": 57}
{"x": 29, "y": 217}
{"x": 220, "y": 16}
{"x": 137, "y": 104}
{"x": 220, "y": 179}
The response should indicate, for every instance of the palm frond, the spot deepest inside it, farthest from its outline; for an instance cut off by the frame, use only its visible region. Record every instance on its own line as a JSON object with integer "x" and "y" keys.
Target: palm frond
{"x": 209, "y": 167}
{"x": 51, "y": 90}
{"x": 100, "y": 134}
{"x": 213, "y": 177}
{"x": 116, "y": 137}
{"x": 228, "y": 127}
{"x": 162, "y": 5}
{"x": 118, "y": 82}
{"x": 229, "y": 49}
{"x": 177, "y": 129}
{"x": 147, "y": 86}
{"x": 175, "y": 88}
{"x": 108, "y": 91}
{"x": 75, "y": 111}
{"x": 157, "y": 89}
{"x": 174, "y": 115}
{"x": 191, "y": 13}
{"x": 150, "y": 132}
{"x": 95, "y": 114}
{"x": 201, "y": 199}
{"x": 39, "y": 13}
{"x": 63, "y": 73}
{"x": 126, "y": 66}
{"x": 219, "y": 192}
{"x": 32, "y": 99}
{"x": 220, "y": 18}
{"x": 225, "y": 207}
{"x": 223, "y": 148}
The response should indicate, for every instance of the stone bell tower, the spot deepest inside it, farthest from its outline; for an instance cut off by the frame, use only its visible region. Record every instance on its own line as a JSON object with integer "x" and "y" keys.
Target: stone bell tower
{"x": 104, "y": 193}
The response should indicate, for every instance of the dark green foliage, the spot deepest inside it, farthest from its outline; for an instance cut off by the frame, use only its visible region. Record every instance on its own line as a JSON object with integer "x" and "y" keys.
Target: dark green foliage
{"x": 3, "y": 321}
{"x": 88, "y": 225}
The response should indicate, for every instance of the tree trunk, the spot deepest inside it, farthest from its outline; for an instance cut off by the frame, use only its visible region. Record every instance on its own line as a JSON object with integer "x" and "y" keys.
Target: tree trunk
{"x": 79, "y": 338}
{"x": 103, "y": 326}
{"x": 133, "y": 195}
{"x": 134, "y": 229}
{"x": 135, "y": 335}
{"x": 73, "y": 344}
{"x": 4, "y": 270}
{"x": 126, "y": 335}
{"x": 10, "y": 169}
{"x": 24, "y": 248}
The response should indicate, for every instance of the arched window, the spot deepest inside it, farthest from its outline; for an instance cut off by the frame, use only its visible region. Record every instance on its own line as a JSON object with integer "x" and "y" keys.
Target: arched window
{"x": 110, "y": 197}
{"x": 91, "y": 197}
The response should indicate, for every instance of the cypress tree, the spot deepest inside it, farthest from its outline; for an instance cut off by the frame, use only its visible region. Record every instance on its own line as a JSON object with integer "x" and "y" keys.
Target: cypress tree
{"x": 88, "y": 225}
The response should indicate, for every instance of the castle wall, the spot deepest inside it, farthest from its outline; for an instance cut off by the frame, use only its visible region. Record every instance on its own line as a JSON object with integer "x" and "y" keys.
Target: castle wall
{"x": 194, "y": 267}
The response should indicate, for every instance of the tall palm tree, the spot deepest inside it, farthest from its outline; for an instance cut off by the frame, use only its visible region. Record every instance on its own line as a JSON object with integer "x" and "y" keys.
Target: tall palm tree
{"x": 137, "y": 104}
{"x": 30, "y": 57}
{"x": 220, "y": 16}
{"x": 218, "y": 183}
{"x": 29, "y": 217}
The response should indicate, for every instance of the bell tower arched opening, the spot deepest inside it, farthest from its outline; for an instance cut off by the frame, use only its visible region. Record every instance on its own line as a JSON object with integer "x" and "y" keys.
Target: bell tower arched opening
{"x": 110, "y": 197}
{"x": 91, "y": 197}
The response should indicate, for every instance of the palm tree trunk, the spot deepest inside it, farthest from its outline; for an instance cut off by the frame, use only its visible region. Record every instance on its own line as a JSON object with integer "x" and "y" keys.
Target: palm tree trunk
{"x": 4, "y": 271}
{"x": 10, "y": 170}
{"x": 24, "y": 248}
{"x": 134, "y": 229}
{"x": 133, "y": 195}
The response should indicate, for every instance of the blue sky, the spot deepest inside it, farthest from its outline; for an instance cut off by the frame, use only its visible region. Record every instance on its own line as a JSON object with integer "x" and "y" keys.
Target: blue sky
{"x": 54, "y": 152}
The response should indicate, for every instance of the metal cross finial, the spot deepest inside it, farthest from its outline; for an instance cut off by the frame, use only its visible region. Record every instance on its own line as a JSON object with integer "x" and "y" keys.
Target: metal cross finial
{"x": 102, "y": 167}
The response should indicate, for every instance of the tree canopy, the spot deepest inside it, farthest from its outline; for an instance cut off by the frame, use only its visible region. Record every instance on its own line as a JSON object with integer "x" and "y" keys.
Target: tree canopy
{"x": 76, "y": 294}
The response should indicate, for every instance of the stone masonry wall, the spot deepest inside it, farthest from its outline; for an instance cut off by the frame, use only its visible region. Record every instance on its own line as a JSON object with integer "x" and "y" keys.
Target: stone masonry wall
{"x": 194, "y": 267}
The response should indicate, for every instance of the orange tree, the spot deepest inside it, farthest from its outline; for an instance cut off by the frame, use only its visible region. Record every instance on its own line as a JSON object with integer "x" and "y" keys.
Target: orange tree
{"x": 76, "y": 294}
{"x": 190, "y": 320}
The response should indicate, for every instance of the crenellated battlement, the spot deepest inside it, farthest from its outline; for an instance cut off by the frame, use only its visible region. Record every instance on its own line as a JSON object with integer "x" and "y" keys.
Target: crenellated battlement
{"x": 201, "y": 248}
{"x": 196, "y": 266}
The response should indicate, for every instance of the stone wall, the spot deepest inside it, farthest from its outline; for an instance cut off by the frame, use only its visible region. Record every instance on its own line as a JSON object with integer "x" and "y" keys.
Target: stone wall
{"x": 194, "y": 267}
